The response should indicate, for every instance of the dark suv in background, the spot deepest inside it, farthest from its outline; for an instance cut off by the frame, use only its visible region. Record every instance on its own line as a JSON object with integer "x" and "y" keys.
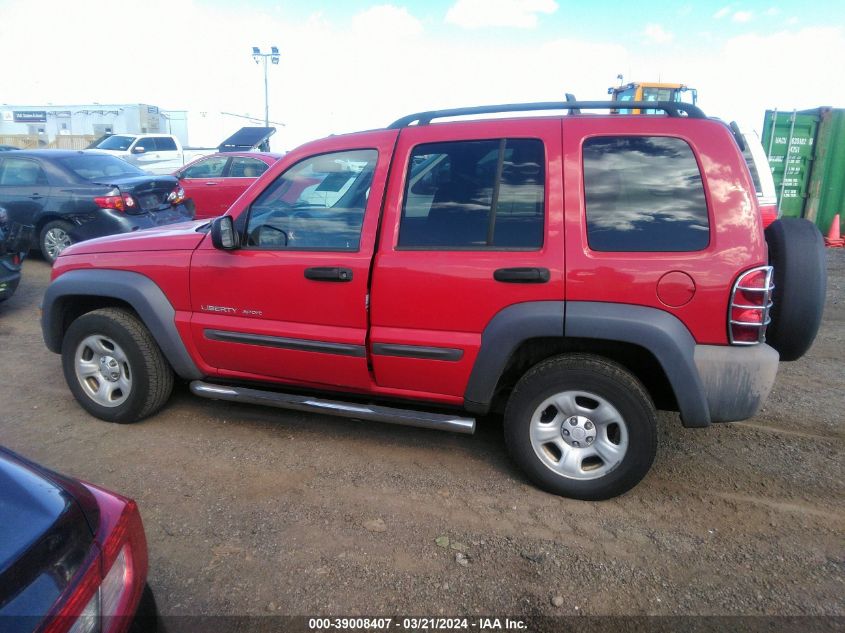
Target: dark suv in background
{"x": 70, "y": 196}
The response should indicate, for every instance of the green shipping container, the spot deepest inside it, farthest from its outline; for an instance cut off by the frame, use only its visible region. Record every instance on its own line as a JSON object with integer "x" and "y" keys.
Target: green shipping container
{"x": 806, "y": 152}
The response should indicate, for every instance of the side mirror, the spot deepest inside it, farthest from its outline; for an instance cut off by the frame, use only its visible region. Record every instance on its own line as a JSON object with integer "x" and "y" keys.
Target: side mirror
{"x": 223, "y": 234}
{"x": 138, "y": 149}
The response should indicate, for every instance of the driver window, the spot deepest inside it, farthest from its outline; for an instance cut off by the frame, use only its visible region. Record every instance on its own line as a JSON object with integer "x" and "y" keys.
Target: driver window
{"x": 318, "y": 204}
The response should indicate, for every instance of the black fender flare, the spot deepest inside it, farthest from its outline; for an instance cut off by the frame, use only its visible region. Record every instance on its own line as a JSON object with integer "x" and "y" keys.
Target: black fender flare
{"x": 657, "y": 331}
{"x": 140, "y": 292}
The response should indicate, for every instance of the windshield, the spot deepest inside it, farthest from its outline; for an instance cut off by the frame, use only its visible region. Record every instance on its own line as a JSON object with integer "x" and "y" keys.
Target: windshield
{"x": 117, "y": 142}
{"x": 95, "y": 167}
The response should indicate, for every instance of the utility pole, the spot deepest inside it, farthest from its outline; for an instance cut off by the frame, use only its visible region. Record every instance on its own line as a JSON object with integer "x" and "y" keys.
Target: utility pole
{"x": 258, "y": 56}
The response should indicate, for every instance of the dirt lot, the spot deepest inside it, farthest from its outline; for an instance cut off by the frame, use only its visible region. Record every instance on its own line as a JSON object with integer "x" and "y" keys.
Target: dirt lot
{"x": 252, "y": 511}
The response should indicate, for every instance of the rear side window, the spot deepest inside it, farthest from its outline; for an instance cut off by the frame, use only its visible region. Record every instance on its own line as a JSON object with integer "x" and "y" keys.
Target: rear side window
{"x": 644, "y": 193}
{"x": 20, "y": 172}
{"x": 475, "y": 195}
{"x": 165, "y": 144}
{"x": 246, "y": 167}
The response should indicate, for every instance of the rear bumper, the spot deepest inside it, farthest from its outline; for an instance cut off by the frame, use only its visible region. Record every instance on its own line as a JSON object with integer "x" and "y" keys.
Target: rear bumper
{"x": 736, "y": 379}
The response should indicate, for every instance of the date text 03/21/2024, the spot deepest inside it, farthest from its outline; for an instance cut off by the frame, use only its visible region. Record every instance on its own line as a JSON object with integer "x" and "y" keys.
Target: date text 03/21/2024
{"x": 418, "y": 624}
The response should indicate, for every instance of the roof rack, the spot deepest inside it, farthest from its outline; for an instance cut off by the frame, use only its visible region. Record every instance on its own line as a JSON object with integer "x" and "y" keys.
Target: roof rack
{"x": 672, "y": 108}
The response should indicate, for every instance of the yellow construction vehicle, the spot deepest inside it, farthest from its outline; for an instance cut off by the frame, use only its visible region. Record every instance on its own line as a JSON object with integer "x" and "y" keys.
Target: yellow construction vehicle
{"x": 651, "y": 91}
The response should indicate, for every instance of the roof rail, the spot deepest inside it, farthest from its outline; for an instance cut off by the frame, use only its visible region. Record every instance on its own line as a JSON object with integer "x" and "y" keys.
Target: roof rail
{"x": 672, "y": 108}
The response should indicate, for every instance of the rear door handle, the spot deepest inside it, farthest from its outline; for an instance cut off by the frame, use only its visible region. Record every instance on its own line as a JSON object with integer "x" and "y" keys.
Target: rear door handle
{"x": 36, "y": 196}
{"x": 208, "y": 184}
{"x": 522, "y": 275}
{"x": 328, "y": 273}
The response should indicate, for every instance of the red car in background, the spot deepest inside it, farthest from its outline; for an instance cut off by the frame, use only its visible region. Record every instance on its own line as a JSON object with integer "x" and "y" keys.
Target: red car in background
{"x": 214, "y": 182}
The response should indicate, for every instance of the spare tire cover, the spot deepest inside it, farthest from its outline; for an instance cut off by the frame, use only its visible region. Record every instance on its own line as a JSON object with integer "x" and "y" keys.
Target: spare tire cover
{"x": 796, "y": 252}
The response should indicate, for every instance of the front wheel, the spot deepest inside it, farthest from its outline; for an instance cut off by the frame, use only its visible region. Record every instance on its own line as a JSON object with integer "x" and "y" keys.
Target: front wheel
{"x": 581, "y": 426}
{"x": 114, "y": 367}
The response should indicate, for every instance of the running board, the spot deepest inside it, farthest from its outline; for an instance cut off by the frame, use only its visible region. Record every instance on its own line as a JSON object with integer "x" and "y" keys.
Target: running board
{"x": 390, "y": 415}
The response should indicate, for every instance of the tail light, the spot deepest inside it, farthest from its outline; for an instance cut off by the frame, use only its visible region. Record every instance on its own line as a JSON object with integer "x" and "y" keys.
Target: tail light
{"x": 751, "y": 303}
{"x": 16, "y": 260}
{"x": 177, "y": 196}
{"x": 105, "y": 598}
{"x": 115, "y": 200}
{"x": 769, "y": 213}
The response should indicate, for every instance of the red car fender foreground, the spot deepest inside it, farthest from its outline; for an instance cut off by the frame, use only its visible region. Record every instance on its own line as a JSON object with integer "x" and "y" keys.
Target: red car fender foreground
{"x": 73, "y": 556}
{"x": 107, "y": 593}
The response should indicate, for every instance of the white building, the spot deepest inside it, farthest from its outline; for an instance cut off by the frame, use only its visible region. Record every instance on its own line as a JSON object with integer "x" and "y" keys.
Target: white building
{"x": 46, "y": 123}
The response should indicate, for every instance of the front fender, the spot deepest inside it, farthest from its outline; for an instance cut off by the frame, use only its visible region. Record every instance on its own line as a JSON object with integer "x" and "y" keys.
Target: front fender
{"x": 140, "y": 292}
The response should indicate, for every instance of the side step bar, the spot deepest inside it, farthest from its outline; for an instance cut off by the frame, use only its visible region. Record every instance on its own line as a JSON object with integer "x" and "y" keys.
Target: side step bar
{"x": 390, "y": 415}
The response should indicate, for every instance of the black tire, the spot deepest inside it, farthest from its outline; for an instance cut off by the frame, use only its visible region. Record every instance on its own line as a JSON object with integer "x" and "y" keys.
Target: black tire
{"x": 67, "y": 227}
{"x": 607, "y": 380}
{"x": 796, "y": 252}
{"x": 151, "y": 375}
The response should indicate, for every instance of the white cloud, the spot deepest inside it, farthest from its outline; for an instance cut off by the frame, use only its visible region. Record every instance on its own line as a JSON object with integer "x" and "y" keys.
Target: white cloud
{"x": 722, "y": 12}
{"x": 772, "y": 11}
{"x": 476, "y": 14}
{"x": 742, "y": 16}
{"x": 657, "y": 34}
{"x": 386, "y": 19}
{"x": 339, "y": 75}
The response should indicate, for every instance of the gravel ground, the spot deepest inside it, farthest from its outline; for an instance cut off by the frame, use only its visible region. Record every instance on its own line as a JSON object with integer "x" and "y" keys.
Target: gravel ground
{"x": 251, "y": 511}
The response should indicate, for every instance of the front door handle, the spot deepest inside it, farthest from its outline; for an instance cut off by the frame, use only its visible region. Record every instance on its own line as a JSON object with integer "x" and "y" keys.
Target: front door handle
{"x": 36, "y": 196}
{"x": 328, "y": 273}
{"x": 522, "y": 275}
{"x": 208, "y": 184}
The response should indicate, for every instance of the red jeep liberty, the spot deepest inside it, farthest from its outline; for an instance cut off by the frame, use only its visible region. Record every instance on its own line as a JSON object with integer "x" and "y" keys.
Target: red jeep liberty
{"x": 573, "y": 271}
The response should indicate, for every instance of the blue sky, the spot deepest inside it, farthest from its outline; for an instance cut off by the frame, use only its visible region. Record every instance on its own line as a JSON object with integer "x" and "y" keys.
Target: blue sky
{"x": 350, "y": 65}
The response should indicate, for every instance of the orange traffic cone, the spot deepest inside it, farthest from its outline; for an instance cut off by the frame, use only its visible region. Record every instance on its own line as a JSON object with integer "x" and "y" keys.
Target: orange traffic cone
{"x": 834, "y": 235}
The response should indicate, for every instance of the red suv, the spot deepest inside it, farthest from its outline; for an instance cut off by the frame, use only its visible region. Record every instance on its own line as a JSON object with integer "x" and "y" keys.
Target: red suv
{"x": 574, "y": 272}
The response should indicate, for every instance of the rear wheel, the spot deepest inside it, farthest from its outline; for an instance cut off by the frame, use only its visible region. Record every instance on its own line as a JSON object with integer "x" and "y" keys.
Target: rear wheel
{"x": 581, "y": 426}
{"x": 114, "y": 367}
{"x": 55, "y": 237}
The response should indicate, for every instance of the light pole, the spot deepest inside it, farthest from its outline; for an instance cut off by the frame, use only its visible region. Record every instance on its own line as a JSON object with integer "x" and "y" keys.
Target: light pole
{"x": 258, "y": 56}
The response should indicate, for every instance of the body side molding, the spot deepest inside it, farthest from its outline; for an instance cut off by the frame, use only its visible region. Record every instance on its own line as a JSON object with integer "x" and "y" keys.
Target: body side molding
{"x": 304, "y": 345}
{"x": 140, "y": 292}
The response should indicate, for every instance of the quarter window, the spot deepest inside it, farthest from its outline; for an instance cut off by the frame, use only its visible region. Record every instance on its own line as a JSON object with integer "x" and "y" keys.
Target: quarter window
{"x": 644, "y": 193}
{"x": 474, "y": 195}
{"x": 318, "y": 204}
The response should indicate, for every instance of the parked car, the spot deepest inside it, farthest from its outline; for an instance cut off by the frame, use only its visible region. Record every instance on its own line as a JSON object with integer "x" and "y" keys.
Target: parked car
{"x": 8, "y": 148}
{"x": 15, "y": 239}
{"x": 573, "y": 272}
{"x": 164, "y": 153}
{"x": 70, "y": 196}
{"x": 214, "y": 182}
{"x": 761, "y": 175}
{"x": 73, "y": 556}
